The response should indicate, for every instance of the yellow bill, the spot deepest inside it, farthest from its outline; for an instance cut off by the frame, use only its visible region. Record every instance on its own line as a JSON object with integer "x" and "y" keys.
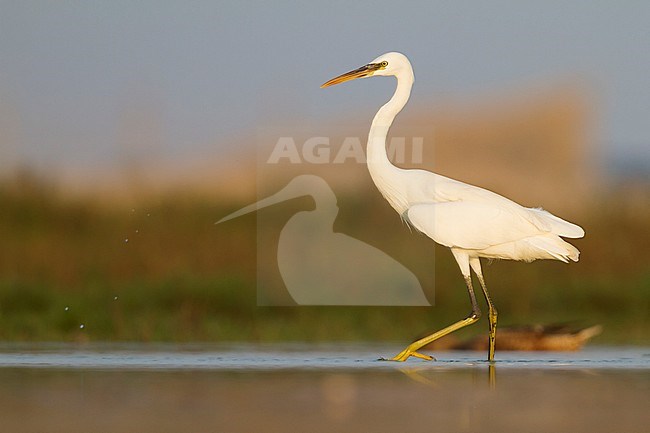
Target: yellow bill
{"x": 364, "y": 71}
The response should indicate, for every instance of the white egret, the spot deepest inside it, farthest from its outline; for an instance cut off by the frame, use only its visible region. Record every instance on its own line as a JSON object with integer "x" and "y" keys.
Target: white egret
{"x": 473, "y": 222}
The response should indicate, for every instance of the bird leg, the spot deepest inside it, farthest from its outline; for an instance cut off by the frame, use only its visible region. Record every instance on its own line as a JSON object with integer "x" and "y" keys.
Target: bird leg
{"x": 492, "y": 317}
{"x": 412, "y": 349}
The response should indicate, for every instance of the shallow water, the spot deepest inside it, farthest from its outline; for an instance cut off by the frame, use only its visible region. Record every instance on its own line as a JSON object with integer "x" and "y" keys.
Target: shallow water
{"x": 284, "y": 388}
{"x": 298, "y": 357}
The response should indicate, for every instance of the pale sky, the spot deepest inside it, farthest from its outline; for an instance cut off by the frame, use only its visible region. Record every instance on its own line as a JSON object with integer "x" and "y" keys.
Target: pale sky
{"x": 77, "y": 77}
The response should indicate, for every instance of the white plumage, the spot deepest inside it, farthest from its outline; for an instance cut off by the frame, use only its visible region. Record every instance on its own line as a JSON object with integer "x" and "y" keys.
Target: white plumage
{"x": 481, "y": 223}
{"x": 473, "y": 222}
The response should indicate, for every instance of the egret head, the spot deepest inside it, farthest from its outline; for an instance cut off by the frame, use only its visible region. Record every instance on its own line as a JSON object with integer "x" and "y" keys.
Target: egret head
{"x": 384, "y": 65}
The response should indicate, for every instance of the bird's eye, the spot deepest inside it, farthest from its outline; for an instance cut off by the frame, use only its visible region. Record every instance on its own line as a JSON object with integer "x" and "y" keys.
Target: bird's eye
{"x": 384, "y": 64}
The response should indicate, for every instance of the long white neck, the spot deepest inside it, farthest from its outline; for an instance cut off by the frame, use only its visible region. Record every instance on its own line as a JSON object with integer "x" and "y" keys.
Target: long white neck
{"x": 384, "y": 174}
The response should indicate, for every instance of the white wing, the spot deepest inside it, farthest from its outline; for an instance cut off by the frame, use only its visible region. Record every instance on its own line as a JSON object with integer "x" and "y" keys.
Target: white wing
{"x": 441, "y": 189}
{"x": 494, "y": 231}
{"x": 469, "y": 225}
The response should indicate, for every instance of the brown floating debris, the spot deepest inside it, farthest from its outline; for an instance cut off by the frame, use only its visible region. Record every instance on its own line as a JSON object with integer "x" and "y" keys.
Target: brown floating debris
{"x": 525, "y": 338}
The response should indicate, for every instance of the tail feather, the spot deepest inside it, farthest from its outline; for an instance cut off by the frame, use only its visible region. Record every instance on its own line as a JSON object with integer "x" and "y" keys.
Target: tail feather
{"x": 555, "y": 247}
{"x": 549, "y": 222}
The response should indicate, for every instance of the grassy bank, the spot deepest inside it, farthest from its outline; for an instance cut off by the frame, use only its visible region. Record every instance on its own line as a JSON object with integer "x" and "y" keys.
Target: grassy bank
{"x": 81, "y": 270}
{"x": 184, "y": 309}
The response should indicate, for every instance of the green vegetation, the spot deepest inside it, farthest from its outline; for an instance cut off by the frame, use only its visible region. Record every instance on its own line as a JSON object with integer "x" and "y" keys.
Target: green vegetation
{"x": 186, "y": 309}
{"x": 65, "y": 263}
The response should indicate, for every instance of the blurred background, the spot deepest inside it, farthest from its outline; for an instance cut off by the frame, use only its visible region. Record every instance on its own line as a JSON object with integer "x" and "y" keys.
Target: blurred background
{"x": 128, "y": 129}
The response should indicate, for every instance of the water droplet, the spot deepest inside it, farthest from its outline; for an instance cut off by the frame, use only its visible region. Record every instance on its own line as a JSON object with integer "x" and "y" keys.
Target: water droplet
{"x": 148, "y": 214}
{"x": 82, "y": 326}
{"x": 126, "y": 240}
{"x": 66, "y": 308}
{"x": 137, "y": 231}
{"x": 115, "y": 298}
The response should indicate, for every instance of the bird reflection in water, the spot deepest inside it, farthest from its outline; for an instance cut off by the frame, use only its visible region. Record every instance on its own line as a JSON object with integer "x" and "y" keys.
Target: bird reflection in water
{"x": 419, "y": 374}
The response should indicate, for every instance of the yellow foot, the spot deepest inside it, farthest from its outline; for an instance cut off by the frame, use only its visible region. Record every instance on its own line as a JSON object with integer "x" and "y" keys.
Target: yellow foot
{"x": 406, "y": 353}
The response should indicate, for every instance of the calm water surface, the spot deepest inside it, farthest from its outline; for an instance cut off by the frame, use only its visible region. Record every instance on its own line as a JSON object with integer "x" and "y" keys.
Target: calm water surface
{"x": 287, "y": 388}
{"x": 298, "y": 357}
